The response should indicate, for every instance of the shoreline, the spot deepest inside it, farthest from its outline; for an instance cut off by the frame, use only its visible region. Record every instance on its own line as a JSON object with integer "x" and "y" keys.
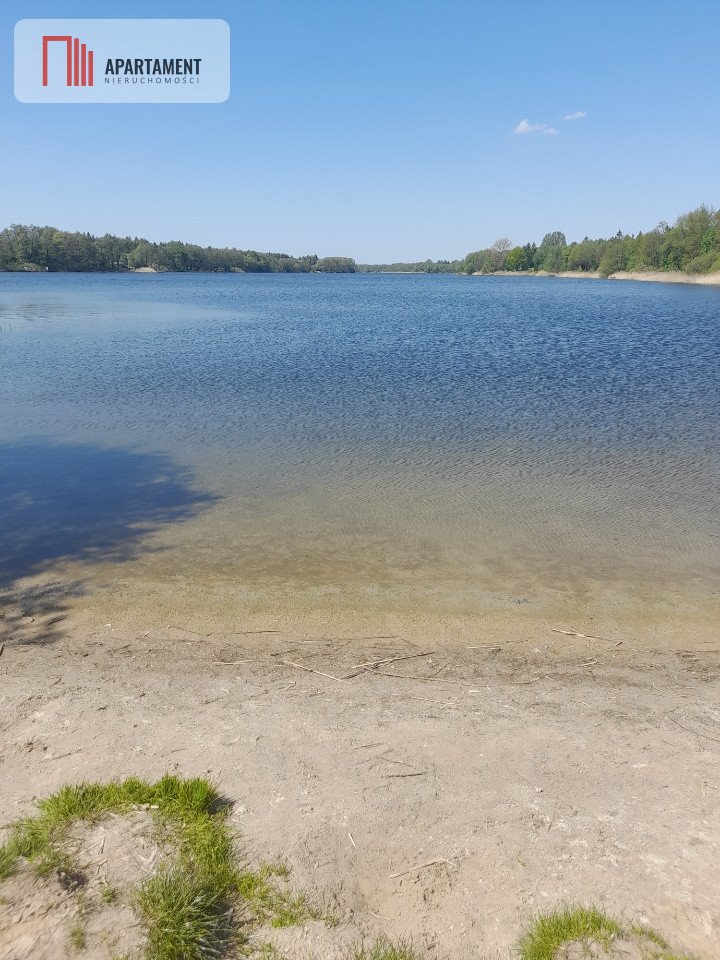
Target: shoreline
{"x": 648, "y": 276}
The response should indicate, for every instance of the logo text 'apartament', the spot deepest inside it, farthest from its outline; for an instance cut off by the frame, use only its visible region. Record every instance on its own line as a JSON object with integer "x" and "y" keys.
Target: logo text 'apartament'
{"x": 153, "y": 70}
{"x": 122, "y": 61}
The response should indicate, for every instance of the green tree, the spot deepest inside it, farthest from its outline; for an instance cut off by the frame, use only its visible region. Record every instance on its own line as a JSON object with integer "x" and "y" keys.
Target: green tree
{"x": 516, "y": 259}
{"x": 334, "y": 265}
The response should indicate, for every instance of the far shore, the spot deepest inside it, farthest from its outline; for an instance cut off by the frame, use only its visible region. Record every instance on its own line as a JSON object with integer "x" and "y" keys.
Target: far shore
{"x": 645, "y": 276}
{"x": 648, "y": 276}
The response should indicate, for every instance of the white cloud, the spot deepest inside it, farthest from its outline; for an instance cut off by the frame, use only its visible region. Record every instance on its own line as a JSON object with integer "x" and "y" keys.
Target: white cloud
{"x": 525, "y": 127}
{"x": 578, "y": 115}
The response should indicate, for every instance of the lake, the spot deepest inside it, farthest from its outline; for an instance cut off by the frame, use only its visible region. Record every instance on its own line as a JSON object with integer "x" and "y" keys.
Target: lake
{"x": 461, "y": 457}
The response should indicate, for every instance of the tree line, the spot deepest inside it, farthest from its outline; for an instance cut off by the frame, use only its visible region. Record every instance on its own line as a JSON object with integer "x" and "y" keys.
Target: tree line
{"x": 691, "y": 245}
{"x": 425, "y": 266}
{"x": 30, "y": 248}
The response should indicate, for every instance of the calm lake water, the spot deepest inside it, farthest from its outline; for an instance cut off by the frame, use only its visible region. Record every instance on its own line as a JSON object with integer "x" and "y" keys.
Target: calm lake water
{"x": 432, "y": 452}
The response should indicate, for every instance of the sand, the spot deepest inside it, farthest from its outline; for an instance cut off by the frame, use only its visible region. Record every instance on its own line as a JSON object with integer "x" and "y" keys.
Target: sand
{"x": 670, "y": 276}
{"x": 651, "y": 276}
{"x": 446, "y": 797}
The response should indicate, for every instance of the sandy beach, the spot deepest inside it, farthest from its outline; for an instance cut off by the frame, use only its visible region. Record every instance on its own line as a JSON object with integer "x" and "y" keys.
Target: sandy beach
{"x": 650, "y": 276}
{"x": 672, "y": 276}
{"x": 448, "y": 793}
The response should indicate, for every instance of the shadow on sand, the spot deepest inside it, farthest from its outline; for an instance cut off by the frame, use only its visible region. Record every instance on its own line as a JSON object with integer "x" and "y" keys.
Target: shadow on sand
{"x": 77, "y": 502}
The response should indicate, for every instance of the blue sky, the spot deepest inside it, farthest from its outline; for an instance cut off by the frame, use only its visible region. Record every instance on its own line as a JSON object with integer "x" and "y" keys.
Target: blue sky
{"x": 385, "y": 130}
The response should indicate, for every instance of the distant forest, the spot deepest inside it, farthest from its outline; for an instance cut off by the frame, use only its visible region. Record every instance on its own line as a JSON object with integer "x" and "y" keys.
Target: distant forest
{"x": 46, "y": 248}
{"x": 426, "y": 266}
{"x": 691, "y": 245}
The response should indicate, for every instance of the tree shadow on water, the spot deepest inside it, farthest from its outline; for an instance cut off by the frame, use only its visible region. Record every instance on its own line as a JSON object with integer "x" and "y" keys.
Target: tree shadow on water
{"x": 77, "y": 502}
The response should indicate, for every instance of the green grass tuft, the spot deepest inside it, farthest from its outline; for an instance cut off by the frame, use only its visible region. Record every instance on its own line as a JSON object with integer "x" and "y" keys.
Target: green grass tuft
{"x": 550, "y": 931}
{"x": 108, "y": 894}
{"x": 383, "y": 949}
{"x": 268, "y": 903}
{"x": 77, "y": 938}
{"x": 188, "y": 905}
{"x": 267, "y": 951}
{"x": 37, "y": 838}
{"x": 647, "y": 933}
{"x": 187, "y": 915}
{"x": 8, "y": 857}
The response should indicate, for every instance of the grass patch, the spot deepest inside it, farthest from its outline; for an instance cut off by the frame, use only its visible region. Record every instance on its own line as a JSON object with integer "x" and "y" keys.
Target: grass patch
{"x": 188, "y": 905}
{"x": 77, "y": 938}
{"x": 108, "y": 895}
{"x": 268, "y": 903}
{"x": 267, "y": 951}
{"x": 550, "y": 931}
{"x": 383, "y": 949}
{"x": 659, "y": 947}
{"x": 647, "y": 933}
{"x": 38, "y": 838}
{"x": 187, "y": 915}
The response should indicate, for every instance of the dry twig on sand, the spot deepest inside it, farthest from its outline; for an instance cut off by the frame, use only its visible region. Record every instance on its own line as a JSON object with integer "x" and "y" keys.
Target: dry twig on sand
{"x": 396, "y": 776}
{"x": 421, "y": 866}
{"x": 234, "y": 663}
{"x": 61, "y": 756}
{"x": 411, "y": 676}
{"x": 299, "y": 666}
{"x": 378, "y": 663}
{"x": 586, "y": 636}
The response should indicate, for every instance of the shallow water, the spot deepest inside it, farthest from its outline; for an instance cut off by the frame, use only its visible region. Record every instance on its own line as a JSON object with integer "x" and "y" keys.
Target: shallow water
{"x": 425, "y": 452}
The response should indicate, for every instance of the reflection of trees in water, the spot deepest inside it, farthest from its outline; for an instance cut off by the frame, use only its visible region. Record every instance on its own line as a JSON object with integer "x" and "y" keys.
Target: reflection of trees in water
{"x": 77, "y": 502}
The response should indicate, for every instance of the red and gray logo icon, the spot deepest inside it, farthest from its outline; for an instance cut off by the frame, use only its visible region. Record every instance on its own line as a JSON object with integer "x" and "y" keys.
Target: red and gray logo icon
{"x": 79, "y": 61}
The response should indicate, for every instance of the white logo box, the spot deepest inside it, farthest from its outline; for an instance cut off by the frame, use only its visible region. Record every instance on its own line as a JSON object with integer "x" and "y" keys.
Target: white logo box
{"x": 122, "y": 61}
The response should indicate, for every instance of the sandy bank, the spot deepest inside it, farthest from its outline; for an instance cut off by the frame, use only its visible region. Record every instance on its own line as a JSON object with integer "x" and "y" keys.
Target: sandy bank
{"x": 649, "y": 276}
{"x": 670, "y": 276}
